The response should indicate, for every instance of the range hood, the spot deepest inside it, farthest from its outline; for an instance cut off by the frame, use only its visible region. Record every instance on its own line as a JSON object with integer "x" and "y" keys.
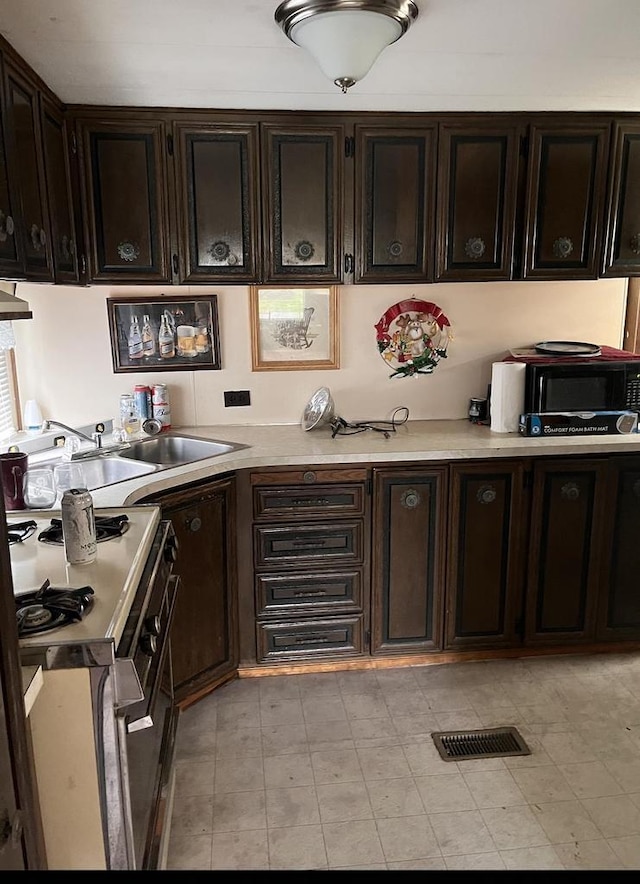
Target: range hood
{"x": 12, "y": 307}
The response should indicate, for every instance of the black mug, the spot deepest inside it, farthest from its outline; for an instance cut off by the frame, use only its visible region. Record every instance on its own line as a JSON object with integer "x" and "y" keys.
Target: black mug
{"x": 477, "y": 410}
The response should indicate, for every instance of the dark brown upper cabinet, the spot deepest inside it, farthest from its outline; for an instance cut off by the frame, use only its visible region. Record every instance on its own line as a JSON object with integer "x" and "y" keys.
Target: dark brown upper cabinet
{"x": 566, "y": 184}
{"x": 11, "y": 261}
{"x": 217, "y": 202}
{"x": 477, "y": 196}
{"x": 622, "y": 242}
{"x": 26, "y": 168}
{"x": 64, "y": 235}
{"x": 394, "y": 204}
{"x": 303, "y": 203}
{"x": 125, "y": 200}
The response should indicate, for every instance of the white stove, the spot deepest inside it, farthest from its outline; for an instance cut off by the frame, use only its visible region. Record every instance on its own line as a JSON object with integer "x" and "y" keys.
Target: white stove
{"x": 113, "y": 577}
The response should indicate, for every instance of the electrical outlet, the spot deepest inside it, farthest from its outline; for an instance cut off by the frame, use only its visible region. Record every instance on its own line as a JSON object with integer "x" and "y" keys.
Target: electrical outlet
{"x": 236, "y": 397}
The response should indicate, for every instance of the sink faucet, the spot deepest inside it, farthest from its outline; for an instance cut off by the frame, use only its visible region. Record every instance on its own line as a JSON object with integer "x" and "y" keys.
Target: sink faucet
{"x": 95, "y": 438}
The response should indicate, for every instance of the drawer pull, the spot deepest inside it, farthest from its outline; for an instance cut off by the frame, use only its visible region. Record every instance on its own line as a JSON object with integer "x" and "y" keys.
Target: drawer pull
{"x": 308, "y": 544}
{"x": 301, "y": 594}
{"x": 312, "y": 501}
{"x": 316, "y": 640}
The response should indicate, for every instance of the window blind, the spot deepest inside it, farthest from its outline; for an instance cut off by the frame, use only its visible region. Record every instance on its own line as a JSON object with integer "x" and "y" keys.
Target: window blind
{"x": 7, "y": 410}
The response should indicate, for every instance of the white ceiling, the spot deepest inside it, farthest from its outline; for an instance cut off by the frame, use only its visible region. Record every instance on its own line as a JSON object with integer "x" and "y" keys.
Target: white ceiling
{"x": 475, "y": 55}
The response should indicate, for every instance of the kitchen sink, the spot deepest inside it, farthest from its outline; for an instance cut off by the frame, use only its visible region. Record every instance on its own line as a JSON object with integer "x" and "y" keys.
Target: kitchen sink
{"x": 175, "y": 449}
{"x": 101, "y": 471}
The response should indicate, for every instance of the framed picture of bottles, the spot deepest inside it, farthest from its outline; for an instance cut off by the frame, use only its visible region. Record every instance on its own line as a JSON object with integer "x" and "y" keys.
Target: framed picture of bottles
{"x": 170, "y": 333}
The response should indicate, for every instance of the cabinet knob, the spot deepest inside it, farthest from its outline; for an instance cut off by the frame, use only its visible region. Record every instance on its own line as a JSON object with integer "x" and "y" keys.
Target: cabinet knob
{"x": 410, "y": 499}
{"x": 128, "y": 251}
{"x": 475, "y": 248}
{"x": 194, "y": 524}
{"x": 10, "y": 829}
{"x": 304, "y": 250}
{"x": 7, "y": 227}
{"x": 309, "y": 476}
{"x": 562, "y": 247}
{"x": 37, "y": 236}
{"x": 220, "y": 251}
{"x": 486, "y": 494}
{"x": 395, "y": 249}
{"x": 570, "y": 491}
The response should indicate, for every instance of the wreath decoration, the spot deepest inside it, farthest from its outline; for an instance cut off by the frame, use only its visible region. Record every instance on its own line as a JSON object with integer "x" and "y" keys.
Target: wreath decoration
{"x": 413, "y": 337}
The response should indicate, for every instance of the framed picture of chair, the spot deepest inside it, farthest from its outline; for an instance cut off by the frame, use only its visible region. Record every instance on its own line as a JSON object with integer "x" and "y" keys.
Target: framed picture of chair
{"x": 294, "y": 328}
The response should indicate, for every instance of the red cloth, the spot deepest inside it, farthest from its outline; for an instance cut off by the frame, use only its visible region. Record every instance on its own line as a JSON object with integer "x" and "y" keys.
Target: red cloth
{"x": 607, "y": 354}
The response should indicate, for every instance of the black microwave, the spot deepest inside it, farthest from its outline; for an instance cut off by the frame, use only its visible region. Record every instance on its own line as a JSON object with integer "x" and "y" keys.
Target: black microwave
{"x": 585, "y": 385}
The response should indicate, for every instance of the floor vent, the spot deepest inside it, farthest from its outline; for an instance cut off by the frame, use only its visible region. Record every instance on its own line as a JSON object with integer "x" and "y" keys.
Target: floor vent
{"x": 493, "y": 742}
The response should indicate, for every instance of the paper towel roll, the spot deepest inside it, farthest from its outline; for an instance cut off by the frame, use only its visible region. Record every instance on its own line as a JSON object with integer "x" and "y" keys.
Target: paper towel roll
{"x": 507, "y": 395}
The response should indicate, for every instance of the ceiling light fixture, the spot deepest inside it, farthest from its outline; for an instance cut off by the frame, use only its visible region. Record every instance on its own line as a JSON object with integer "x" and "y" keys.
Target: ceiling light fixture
{"x": 345, "y": 36}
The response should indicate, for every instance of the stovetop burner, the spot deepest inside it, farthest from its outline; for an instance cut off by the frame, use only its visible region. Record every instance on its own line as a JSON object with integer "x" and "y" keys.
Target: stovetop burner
{"x": 49, "y": 608}
{"x": 107, "y": 527}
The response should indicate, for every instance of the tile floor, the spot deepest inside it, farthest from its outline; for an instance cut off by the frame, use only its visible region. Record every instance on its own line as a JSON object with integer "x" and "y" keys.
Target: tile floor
{"x": 339, "y": 770}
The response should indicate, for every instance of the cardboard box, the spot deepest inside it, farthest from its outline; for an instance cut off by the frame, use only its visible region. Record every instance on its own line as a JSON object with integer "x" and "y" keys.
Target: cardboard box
{"x": 573, "y": 423}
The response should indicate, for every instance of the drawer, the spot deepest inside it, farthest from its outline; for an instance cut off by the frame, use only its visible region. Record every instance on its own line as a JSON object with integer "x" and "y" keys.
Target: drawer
{"x": 314, "y": 500}
{"x": 319, "y": 545}
{"x": 299, "y": 594}
{"x": 310, "y": 476}
{"x": 340, "y": 636}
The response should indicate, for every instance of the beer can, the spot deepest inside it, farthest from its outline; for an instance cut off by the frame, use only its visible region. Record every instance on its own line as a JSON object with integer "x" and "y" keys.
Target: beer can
{"x": 161, "y": 406}
{"x": 78, "y": 527}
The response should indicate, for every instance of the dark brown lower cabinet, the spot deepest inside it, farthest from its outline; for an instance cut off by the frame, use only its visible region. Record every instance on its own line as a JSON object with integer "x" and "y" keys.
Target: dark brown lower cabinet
{"x": 408, "y": 559}
{"x": 619, "y": 612}
{"x": 204, "y": 633}
{"x": 567, "y": 522}
{"x": 485, "y": 555}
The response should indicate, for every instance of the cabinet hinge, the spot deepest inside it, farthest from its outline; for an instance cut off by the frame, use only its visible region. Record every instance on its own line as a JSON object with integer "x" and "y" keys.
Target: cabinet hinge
{"x": 74, "y": 143}
{"x": 170, "y": 145}
{"x": 349, "y": 146}
{"x": 368, "y": 485}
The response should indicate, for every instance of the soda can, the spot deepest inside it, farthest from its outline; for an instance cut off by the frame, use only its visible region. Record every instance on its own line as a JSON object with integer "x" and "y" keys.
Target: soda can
{"x": 78, "y": 527}
{"x": 142, "y": 397}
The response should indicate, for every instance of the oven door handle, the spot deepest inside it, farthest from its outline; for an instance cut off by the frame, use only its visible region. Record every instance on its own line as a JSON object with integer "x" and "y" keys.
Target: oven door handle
{"x": 128, "y": 688}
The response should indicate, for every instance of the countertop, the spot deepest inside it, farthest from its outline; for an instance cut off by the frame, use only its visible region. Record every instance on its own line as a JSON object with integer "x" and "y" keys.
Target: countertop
{"x": 414, "y": 441}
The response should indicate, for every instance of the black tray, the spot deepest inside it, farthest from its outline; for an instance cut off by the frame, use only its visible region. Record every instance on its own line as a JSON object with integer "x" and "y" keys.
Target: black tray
{"x": 567, "y": 348}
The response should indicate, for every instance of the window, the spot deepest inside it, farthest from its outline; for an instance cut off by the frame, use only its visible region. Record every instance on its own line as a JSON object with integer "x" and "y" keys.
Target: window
{"x": 8, "y": 409}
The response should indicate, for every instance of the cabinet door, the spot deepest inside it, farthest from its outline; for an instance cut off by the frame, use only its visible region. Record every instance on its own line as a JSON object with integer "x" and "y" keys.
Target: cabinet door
{"x": 564, "y": 552}
{"x": 25, "y": 149}
{"x": 622, "y": 250}
{"x": 564, "y": 203}
{"x": 302, "y": 170}
{"x": 477, "y": 194}
{"x": 408, "y": 560}
{"x": 125, "y": 201}
{"x": 619, "y": 614}
{"x": 394, "y": 204}
{"x": 485, "y": 573}
{"x": 64, "y": 241}
{"x": 203, "y": 635}
{"x": 217, "y": 192}
{"x": 11, "y": 261}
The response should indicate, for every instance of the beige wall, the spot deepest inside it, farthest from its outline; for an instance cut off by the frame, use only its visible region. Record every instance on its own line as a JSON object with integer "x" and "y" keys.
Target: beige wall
{"x": 64, "y": 354}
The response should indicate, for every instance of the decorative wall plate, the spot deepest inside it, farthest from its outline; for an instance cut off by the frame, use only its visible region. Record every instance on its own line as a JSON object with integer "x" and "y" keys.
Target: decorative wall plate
{"x": 413, "y": 337}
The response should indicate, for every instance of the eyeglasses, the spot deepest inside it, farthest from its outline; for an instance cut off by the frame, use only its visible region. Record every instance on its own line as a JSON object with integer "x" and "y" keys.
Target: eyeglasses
{"x": 19, "y": 531}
